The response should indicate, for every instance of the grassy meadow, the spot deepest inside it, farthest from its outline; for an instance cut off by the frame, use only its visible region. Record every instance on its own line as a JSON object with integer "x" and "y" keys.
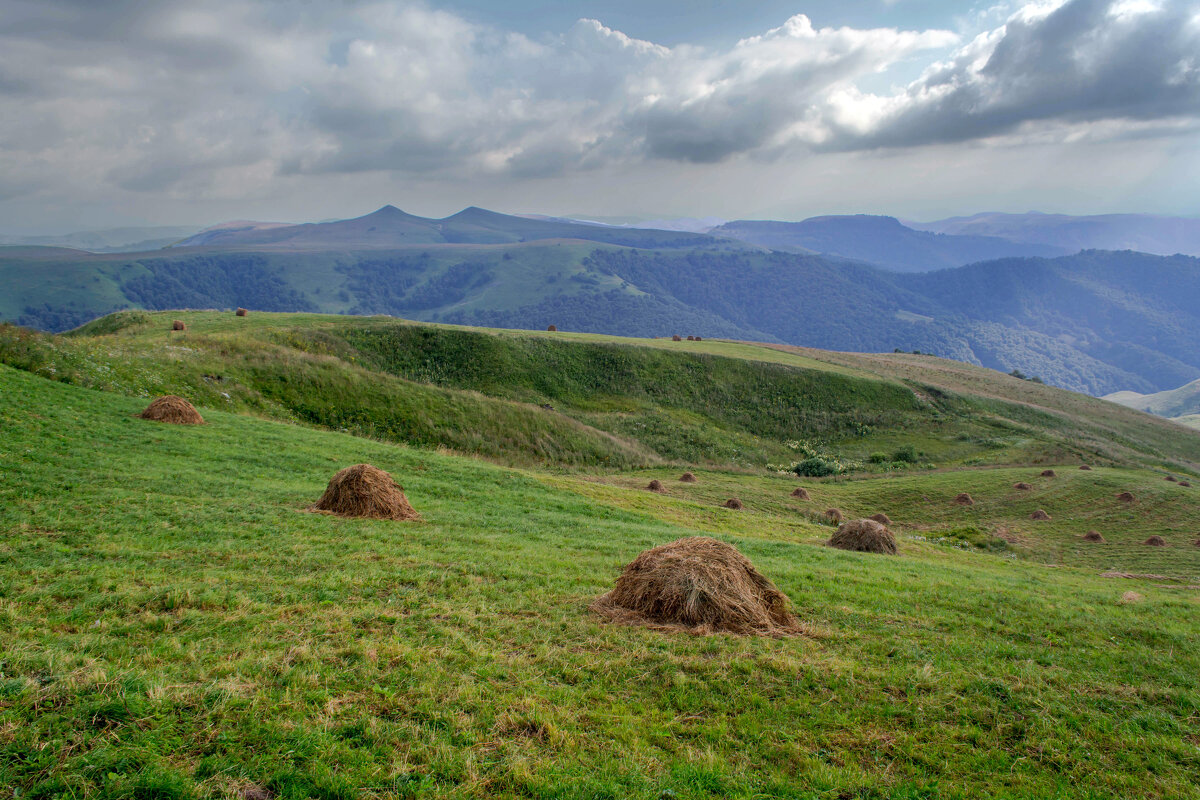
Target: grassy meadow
{"x": 174, "y": 625}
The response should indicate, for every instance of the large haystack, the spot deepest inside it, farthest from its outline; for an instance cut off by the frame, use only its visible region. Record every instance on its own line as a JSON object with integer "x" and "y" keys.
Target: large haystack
{"x": 691, "y": 338}
{"x": 1094, "y": 536}
{"x": 173, "y": 409}
{"x": 864, "y": 536}
{"x": 881, "y": 518}
{"x": 1048, "y": 473}
{"x": 699, "y": 338}
{"x": 699, "y": 585}
{"x": 1170, "y": 478}
{"x": 964, "y": 499}
{"x": 656, "y": 486}
{"x": 1022, "y": 486}
{"x": 365, "y": 491}
{"x": 677, "y": 338}
{"x": 178, "y": 325}
{"x": 1085, "y": 468}
{"x": 1156, "y": 541}
{"x": 687, "y": 477}
{"x": 551, "y": 327}
{"x": 733, "y": 503}
{"x": 1126, "y": 497}
{"x": 800, "y": 493}
{"x": 833, "y": 514}
{"x": 1185, "y": 484}
{"x": 1039, "y": 515}
{"x": 241, "y": 312}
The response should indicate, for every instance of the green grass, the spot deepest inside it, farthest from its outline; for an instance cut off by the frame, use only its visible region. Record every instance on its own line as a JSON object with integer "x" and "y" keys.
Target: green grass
{"x": 172, "y": 625}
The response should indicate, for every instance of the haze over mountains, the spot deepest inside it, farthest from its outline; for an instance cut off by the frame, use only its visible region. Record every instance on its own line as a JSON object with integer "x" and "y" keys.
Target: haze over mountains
{"x": 1094, "y": 321}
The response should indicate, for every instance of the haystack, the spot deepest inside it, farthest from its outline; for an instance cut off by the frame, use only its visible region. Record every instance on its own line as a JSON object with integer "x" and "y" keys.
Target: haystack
{"x": 834, "y": 514}
{"x": 551, "y": 327}
{"x": 1156, "y": 541}
{"x": 1039, "y": 515}
{"x": 699, "y": 338}
{"x": 1126, "y": 497}
{"x": 174, "y": 409}
{"x": 1170, "y": 478}
{"x": 178, "y": 325}
{"x": 733, "y": 503}
{"x": 365, "y": 491}
{"x": 655, "y": 486}
{"x": 691, "y": 338}
{"x": 964, "y": 499}
{"x": 1185, "y": 484}
{"x": 800, "y": 493}
{"x": 864, "y": 536}
{"x": 1094, "y": 536}
{"x": 698, "y": 585}
{"x": 1048, "y": 473}
{"x": 1021, "y": 485}
{"x": 677, "y": 338}
{"x": 881, "y": 518}
{"x": 241, "y": 312}
{"x": 687, "y": 477}
{"x": 1198, "y": 543}
{"x": 1085, "y": 468}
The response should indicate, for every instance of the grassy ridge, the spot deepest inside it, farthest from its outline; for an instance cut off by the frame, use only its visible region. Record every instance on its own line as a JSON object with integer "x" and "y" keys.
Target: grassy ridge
{"x": 172, "y": 626}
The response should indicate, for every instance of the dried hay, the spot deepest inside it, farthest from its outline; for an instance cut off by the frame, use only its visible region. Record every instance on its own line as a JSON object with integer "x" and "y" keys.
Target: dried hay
{"x": 551, "y": 327}
{"x": 178, "y": 325}
{"x": 173, "y": 409}
{"x": 699, "y": 338}
{"x": 1085, "y": 468}
{"x": 698, "y": 585}
{"x": 1130, "y": 597}
{"x": 1049, "y": 473}
{"x": 835, "y": 515}
{"x": 241, "y": 312}
{"x": 1039, "y": 515}
{"x": 1170, "y": 478}
{"x": 800, "y": 493}
{"x": 1022, "y": 486}
{"x": 677, "y": 338}
{"x": 1126, "y": 497}
{"x": 1094, "y": 536}
{"x": 691, "y": 338}
{"x": 881, "y": 518}
{"x": 1185, "y": 484}
{"x": 1156, "y": 541}
{"x": 655, "y": 486}
{"x": 964, "y": 499}
{"x": 687, "y": 477}
{"x": 733, "y": 503}
{"x": 365, "y": 491}
{"x": 864, "y": 536}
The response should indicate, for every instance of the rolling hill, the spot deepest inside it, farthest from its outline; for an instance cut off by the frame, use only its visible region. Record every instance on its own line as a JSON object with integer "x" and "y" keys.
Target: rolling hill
{"x": 1174, "y": 403}
{"x": 882, "y": 241}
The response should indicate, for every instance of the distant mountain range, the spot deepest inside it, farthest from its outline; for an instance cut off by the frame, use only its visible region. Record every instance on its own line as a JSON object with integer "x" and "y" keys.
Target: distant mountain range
{"x": 1182, "y": 404}
{"x": 1145, "y": 233}
{"x": 112, "y": 240}
{"x": 1095, "y": 321}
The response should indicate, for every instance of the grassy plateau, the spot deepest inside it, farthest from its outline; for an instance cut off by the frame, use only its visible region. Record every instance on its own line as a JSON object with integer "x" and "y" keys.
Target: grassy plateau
{"x": 173, "y": 624}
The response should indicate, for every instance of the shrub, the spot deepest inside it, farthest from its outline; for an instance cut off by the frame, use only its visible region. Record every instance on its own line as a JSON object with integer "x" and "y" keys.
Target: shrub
{"x": 879, "y": 458}
{"x": 907, "y": 454}
{"x": 815, "y": 467}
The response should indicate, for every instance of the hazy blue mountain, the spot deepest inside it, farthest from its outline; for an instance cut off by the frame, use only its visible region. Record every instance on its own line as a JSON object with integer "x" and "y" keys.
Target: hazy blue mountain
{"x": 883, "y": 241}
{"x": 1173, "y": 403}
{"x": 1142, "y": 232}
{"x": 110, "y": 240}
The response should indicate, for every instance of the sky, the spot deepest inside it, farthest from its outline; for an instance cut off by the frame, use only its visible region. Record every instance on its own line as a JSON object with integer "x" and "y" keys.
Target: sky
{"x": 182, "y": 112}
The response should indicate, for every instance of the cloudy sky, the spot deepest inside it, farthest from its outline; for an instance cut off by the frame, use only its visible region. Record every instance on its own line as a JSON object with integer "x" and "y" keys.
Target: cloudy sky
{"x": 118, "y": 112}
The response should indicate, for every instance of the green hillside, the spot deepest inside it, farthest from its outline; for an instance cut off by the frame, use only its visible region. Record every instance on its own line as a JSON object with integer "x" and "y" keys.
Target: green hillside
{"x": 1174, "y": 403}
{"x": 172, "y": 626}
{"x": 583, "y": 400}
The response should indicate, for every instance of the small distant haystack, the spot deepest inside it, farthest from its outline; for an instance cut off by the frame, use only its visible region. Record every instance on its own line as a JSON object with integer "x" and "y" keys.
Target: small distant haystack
{"x": 655, "y": 486}
{"x": 1170, "y": 478}
{"x": 178, "y": 325}
{"x": 1039, "y": 515}
{"x": 1197, "y": 543}
{"x": 1126, "y": 497}
{"x": 1094, "y": 536}
{"x": 733, "y": 503}
{"x": 365, "y": 491}
{"x": 964, "y": 499}
{"x": 677, "y": 338}
{"x": 864, "y": 536}
{"x": 800, "y": 493}
{"x": 691, "y": 338}
{"x": 551, "y": 327}
{"x": 1048, "y": 473}
{"x": 687, "y": 477}
{"x": 1156, "y": 541}
{"x": 1130, "y": 597}
{"x": 1185, "y": 484}
{"x": 699, "y": 338}
{"x": 701, "y": 586}
{"x": 881, "y": 518}
{"x": 1022, "y": 486}
{"x": 241, "y": 312}
{"x": 173, "y": 409}
{"x": 1085, "y": 468}
{"x": 833, "y": 514}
